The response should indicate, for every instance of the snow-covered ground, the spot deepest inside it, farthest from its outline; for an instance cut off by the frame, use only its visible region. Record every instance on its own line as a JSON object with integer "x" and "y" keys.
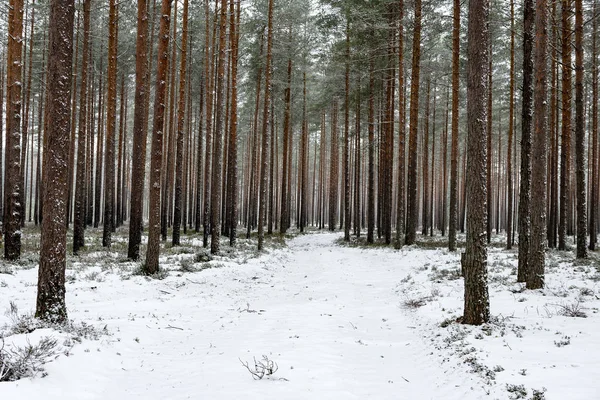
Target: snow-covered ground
{"x": 341, "y": 322}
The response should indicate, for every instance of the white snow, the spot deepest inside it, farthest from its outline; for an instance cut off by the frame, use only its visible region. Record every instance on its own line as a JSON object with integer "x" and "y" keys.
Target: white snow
{"x": 340, "y": 322}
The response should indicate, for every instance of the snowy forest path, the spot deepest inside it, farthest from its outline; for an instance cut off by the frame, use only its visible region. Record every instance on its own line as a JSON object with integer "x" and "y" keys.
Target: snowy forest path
{"x": 328, "y": 315}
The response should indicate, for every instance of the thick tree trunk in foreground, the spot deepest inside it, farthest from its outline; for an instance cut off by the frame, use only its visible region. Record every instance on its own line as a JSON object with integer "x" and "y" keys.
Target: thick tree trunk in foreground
{"x": 474, "y": 263}
{"x": 138, "y": 170}
{"x": 51, "y": 276}
{"x": 151, "y": 265}
{"x": 526, "y": 117}
{"x": 537, "y": 246}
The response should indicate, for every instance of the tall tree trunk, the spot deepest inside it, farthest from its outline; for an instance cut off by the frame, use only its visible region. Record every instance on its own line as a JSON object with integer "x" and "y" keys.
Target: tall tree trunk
{"x": 264, "y": 165}
{"x": 431, "y": 193}
{"x": 89, "y": 203}
{"x": 580, "y": 134}
{"x": 401, "y": 205}
{"x": 99, "y": 152}
{"x": 334, "y": 169}
{"x": 474, "y": 260}
{"x": 537, "y": 246}
{"x": 233, "y": 145}
{"x": 71, "y": 167}
{"x": 489, "y": 146}
{"x": 412, "y": 207}
{"x": 138, "y": 170}
{"x": 594, "y": 133}
{"x": 445, "y": 173}
{"x": 151, "y": 265}
{"x": 371, "y": 172}
{"x": 425, "y": 157}
{"x": 565, "y": 154}
{"x": 346, "y": 167}
{"x": 12, "y": 158}
{"x": 453, "y": 226}
{"x": 303, "y": 172}
{"x": 216, "y": 184}
{"x": 208, "y": 72}
{"x": 285, "y": 207}
{"x": 25, "y": 120}
{"x": 526, "y": 117}
{"x": 2, "y": 170}
{"x": 511, "y": 125}
{"x": 80, "y": 182}
{"x": 120, "y": 165}
{"x": 111, "y": 124}
{"x": 180, "y": 127}
{"x": 51, "y": 274}
{"x": 357, "y": 165}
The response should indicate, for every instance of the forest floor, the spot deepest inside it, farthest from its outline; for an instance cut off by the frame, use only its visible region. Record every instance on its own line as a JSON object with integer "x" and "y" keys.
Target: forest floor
{"x": 340, "y": 321}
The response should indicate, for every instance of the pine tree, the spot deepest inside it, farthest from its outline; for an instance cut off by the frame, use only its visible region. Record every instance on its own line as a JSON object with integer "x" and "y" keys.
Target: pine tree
{"x": 180, "y": 126}
{"x": 80, "y": 182}
{"x": 371, "y": 167}
{"x": 565, "y": 153}
{"x": 412, "y": 207}
{"x": 537, "y": 246}
{"x": 526, "y": 125}
{"x": 333, "y": 169}
{"x": 138, "y": 170}
{"x": 594, "y": 133}
{"x": 233, "y": 145}
{"x": 511, "y": 125}
{"x": 580, "y": 135}
{"x": 264, "y": 165}
{"x": 453, "y": 226}
{"x": 474, "y": 262}
{"x": 346, "y": 160}
{"x": 216, "y": 184}
{"x": 111, "y": 123}
{"x": 51, "y": 277}
{"x": 11, "y": 221}
{"x": 401, "y": 204}
{"x": 151, "y": 265}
